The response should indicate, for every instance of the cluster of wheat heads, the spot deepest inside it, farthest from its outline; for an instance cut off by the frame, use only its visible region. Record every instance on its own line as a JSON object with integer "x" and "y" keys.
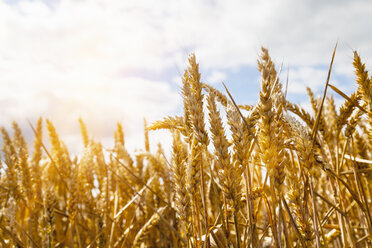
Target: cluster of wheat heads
{"x": 264, "y": 175}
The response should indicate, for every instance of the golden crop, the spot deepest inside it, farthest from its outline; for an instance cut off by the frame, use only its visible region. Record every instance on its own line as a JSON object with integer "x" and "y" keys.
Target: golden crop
{"x": 264, "y": 175}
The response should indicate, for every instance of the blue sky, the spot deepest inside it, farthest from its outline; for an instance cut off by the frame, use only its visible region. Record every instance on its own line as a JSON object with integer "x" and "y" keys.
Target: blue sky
{"x": 116, "y": 60}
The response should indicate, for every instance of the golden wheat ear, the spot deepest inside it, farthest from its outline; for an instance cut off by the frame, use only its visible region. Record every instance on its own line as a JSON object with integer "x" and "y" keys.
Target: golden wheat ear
{"x": 265, "y": 174}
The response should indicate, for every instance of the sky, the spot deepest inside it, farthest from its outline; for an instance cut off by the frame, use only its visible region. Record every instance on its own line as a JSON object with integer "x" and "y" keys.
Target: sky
{"x": 110, "y": 61}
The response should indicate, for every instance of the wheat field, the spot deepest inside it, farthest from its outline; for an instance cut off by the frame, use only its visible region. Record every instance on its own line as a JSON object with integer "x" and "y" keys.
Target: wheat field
{"x": 266, "y": 175}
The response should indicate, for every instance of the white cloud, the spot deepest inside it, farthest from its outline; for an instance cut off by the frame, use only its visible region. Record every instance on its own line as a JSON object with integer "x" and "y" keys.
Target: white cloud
{"x": 216, "y": 77}
{"x": 303, "y": 77}
{"x": 224, "y": 34}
